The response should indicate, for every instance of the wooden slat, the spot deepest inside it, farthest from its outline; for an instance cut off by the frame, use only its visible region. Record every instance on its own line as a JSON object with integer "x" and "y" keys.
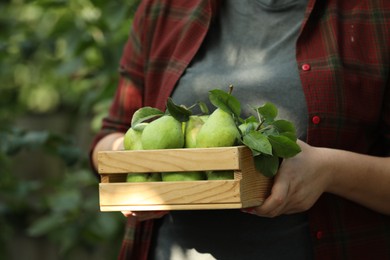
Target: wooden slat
{"x": 192, "y": 206}
{"x": 114, "y": 162}
{"x": 158, "y": 193}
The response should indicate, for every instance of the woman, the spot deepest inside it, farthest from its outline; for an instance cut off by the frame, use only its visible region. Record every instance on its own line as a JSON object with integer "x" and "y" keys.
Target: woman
{"x": 325, "y": 64}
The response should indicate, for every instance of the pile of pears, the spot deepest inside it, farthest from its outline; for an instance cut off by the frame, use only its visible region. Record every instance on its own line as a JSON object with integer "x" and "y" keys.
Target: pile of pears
{"x": 178, "y": 127}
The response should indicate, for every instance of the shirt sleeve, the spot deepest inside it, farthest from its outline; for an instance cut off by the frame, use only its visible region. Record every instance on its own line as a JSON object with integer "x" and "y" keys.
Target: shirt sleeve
{"x": 129, "y": 93}
{"x": 386, "y": 118}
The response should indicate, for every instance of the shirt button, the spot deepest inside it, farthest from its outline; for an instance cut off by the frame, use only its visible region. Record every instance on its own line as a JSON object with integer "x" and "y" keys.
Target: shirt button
{"x": 306, "y": 67}
{"x": 316, "y": 120}
{"x": 319, "y": 234}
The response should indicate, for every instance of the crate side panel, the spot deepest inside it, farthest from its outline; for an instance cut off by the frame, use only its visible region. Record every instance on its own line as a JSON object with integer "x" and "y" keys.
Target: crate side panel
{"x": 224, "y": 158}
{"x": 158, "y": 193}
{"x": 172, "y": 207}
{"x": 255, "y": 187}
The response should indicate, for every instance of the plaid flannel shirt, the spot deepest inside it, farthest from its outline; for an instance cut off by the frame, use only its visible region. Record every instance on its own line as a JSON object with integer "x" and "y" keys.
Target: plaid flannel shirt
{"x": 343, "y": 54}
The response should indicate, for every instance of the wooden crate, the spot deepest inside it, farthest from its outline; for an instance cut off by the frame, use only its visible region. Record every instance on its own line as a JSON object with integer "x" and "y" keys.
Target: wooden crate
{"x": 248, "y": 188}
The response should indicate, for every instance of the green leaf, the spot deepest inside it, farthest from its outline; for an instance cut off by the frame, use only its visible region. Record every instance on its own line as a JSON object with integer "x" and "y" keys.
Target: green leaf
{"x": 283, "y": 146}
{"x": 70, "y": 154}
{"x": 144, "y": 114}
{"x": 65, "y": 201}
{"x": 225, "y": 101}
{"x": 258, "y": 142}
{"x": 51, "y": 4}
{"x": 268, "y": 111}
{"x": 251, "y": 119}
{"x": 46, "y": 224}
{"x": 180, "y": 113}
{"x": 284, "y": 126}
{"x": 266, "y": 165}
{"x": 290, "y": 135}
{"x": 36, "y": 139}
{"x": 268, "y": 129}
{"x": 247, "y": 127}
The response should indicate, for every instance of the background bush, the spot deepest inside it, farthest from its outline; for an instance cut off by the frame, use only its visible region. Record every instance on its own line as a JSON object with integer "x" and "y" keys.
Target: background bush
{"x": 58, "y": 72}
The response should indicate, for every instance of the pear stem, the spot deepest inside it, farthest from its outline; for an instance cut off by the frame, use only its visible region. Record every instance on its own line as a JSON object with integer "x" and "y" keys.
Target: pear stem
{"x": 191, "y": 107}
{"x": 230, "y": 89}
{"x": 262, "y": 130}
{"x": 260, "y": 120}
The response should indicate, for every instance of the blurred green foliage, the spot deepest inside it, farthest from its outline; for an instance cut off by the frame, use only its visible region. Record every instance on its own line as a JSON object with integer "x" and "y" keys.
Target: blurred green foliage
{"x": 57, "y": 56}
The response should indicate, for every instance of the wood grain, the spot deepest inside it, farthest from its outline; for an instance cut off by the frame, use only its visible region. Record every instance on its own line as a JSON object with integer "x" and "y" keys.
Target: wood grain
{"x": 168, "y": 160}
{"x": 249, "y": 187}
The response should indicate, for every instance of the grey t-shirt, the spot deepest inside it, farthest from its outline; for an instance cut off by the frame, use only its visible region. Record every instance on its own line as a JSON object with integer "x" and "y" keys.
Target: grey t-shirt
{"x": 251, "y": 46}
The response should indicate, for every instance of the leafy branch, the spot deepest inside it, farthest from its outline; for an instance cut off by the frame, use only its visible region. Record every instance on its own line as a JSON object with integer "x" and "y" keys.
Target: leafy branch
{"x": 270, "y": 139}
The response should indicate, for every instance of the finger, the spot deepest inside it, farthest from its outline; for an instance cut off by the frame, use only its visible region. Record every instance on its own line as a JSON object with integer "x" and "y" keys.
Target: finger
{"x": 144, "y": 215}
{"x": 250, "y": 210}
{"x": 127, "y": 213}
{"x": 274, "y": 204}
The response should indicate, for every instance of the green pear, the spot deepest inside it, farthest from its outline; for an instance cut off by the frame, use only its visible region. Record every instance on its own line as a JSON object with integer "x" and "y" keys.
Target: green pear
{"x": 183, "y": 176}
{"x": 220, "y": 175}
{"x": 132, "y": 140}
{"x": 163, "y": 133}
{"x": 219, "y": 130}
{"x": 204, "y": 117}
{"x": 143, "y": 177}
{"x": 136, "y": 177}
{"x": 192, "y": 127}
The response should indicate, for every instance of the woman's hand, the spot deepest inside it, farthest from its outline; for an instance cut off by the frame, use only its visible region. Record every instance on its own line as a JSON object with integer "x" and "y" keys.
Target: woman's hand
{"x": 302, "y": 179}
{"x": 114, "y": 142}
{"x": 145, "y": 215}
{"x": 298, "y": 184}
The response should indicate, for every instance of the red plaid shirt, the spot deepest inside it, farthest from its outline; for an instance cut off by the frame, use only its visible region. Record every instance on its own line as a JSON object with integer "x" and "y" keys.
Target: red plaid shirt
{"x": 343, "y": 54}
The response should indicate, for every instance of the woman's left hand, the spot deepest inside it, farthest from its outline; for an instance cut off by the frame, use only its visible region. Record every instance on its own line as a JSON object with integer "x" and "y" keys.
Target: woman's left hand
{"x": 145, "y": 215}
{"x": 298, "y": 184}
